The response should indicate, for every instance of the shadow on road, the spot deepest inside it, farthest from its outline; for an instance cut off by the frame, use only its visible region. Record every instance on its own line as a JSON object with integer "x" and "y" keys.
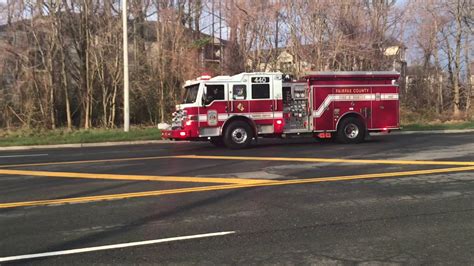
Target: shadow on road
{"x": 92, "y": 238}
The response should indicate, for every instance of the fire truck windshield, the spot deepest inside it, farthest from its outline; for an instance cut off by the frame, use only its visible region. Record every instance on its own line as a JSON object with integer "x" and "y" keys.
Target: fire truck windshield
{"x": 190, "y": 93}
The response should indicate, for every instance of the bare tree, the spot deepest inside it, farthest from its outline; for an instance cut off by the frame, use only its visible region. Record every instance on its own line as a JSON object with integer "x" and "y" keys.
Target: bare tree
{"x": 61, "y": 61}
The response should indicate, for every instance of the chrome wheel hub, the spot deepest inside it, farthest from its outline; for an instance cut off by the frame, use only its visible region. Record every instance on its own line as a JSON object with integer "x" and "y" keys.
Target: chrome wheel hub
{"x": 239, "y": 135}
{"x": 351, "y": 131}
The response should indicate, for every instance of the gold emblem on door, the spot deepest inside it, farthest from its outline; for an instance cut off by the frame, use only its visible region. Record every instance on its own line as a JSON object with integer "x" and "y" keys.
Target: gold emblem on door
{"x": 212, "y": 118}
{"x": 240, "y": 107}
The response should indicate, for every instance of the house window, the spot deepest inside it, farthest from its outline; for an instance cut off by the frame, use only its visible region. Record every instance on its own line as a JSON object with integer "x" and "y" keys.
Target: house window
{"x": 286, "y": 66}
{"x": 239, "y": 92}
{"x": 260, "y": 91}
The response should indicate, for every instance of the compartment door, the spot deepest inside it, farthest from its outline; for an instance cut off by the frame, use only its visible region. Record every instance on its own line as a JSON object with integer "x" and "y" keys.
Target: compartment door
{"x": 322, "y": 103}
{"x": 385, "y": 108}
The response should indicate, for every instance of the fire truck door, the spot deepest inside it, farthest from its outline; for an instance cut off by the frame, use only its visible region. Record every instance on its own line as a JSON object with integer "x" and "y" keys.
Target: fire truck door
{"x": 214, "y": 108}
{"x": 262, "y": 105}
{"x": 238, "y": 100}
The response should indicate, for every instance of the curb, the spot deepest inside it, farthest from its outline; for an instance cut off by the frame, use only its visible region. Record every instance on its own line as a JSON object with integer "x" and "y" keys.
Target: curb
{"x": 85, "y": 145}
{"x": 439, "y": 131}
{"x": 425, "y": 132}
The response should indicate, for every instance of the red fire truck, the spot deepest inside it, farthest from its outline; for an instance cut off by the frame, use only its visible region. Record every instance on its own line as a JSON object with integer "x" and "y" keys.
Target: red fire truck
{"x": 233, "y": 110}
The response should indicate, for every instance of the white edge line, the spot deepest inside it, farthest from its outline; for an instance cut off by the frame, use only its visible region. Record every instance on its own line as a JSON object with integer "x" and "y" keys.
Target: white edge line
{"x": 23, "y": 155}
{"x": 114, "y": 246}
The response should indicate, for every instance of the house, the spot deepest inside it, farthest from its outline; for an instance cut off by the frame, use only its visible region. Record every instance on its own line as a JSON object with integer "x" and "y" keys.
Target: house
{"x": 397, "y": 53}
{"x": 213, "y": 53}
{"x": 287, "y": 61}
{"x": 284, "y": 60}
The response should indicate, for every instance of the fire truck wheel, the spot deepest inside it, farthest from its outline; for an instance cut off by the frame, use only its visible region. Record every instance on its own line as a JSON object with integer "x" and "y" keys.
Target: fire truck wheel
{"x": 238, "y": 135}
{"x": 351, "y": 130}
{"x": 217, "y": 141}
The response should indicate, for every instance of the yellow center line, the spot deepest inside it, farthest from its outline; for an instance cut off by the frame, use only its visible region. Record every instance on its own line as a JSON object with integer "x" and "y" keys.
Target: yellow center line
{"x": 87, "y": 161}
{"x": 251, "y": 158}
{"x": 225, "y": 187}
{"x": 324, "y": 160}
{"x": 132, "y": 177}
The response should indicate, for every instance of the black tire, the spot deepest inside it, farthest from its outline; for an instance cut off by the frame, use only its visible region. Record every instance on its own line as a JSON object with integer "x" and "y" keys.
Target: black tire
{"x": 238, "y": 135}
{"x": 351, "y": 130}
{"x": 217, "y": 141}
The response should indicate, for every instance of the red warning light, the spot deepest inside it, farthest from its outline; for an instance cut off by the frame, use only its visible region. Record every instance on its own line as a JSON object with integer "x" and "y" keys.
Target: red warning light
{"x": 205, "y": 76}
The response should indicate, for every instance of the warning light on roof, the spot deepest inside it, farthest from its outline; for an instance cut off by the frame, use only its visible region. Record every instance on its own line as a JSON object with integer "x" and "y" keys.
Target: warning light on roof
{"x": 205, "y": 77}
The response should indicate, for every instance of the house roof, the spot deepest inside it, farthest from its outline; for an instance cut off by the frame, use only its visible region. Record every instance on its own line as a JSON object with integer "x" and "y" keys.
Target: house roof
{"x": 149, "y": 29}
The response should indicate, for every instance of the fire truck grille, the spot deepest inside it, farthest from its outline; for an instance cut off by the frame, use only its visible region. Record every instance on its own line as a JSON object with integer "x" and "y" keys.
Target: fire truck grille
{"x": 178, "y": 118}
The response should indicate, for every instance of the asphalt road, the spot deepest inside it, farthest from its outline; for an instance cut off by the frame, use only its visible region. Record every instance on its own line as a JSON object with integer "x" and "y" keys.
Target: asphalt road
{"x": 392, "y": 200}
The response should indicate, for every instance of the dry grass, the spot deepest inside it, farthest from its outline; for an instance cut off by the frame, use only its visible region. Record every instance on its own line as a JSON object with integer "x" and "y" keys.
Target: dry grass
{"x": 62, "y": 136}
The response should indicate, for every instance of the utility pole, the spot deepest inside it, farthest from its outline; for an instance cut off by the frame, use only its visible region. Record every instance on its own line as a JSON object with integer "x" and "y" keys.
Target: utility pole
{"x": 221, "y": 50}
{"x": 126, "y": 103}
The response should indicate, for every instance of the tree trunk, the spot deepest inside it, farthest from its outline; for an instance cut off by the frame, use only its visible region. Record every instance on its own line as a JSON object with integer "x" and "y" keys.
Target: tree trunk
{"x": 51, "y": 103}
{"x": 469, "y": 77}
{"x": 112, "y": 107}
{"x": 457, "y": 61}
{"x": 64, "y": 77}
{"x": 88, "y": 100}
{"x": 162, "y": 101}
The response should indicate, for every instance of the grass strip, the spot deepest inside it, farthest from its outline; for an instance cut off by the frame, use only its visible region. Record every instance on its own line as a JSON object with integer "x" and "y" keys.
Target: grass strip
{"x": 61, "y": 136}
{"x": 438, "y": 126}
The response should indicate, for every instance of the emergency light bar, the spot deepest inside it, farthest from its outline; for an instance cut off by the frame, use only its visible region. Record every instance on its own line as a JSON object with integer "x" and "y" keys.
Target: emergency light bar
{"x": 204, "y": 77}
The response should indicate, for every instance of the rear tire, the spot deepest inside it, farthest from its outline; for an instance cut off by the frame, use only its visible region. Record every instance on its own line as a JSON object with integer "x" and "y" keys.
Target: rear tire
{"x": 351, "y": 130}
{"x": 238, "y": 135}
{"x": 217, "y": 141}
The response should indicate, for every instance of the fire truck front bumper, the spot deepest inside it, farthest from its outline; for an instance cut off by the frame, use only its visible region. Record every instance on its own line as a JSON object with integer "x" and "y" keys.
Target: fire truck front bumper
{"x": 179, "y": 134}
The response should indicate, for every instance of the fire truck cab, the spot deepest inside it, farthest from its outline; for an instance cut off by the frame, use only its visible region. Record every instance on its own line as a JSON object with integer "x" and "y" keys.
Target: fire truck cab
{"x": 233, "y": 110}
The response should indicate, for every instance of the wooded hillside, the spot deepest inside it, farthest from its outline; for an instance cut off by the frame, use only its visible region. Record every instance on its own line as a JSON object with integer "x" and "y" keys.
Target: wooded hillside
{"x": 61, "y": 61}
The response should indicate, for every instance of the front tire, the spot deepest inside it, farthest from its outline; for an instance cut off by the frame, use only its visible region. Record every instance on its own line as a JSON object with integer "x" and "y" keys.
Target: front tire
{"x": 238, "y": 135}
{"x": 351, "y": 130}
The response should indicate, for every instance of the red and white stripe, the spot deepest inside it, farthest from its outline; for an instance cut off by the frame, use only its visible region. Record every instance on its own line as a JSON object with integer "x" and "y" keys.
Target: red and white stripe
{"x": 254, "y": 116}
{"x": 353, "y": 98}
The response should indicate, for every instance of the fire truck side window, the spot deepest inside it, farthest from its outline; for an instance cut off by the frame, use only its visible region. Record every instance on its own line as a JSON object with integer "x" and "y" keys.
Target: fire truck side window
{"x": 239, "y": 92}
{"x": 260, "y": 91}
{"x": 214, "y": 92}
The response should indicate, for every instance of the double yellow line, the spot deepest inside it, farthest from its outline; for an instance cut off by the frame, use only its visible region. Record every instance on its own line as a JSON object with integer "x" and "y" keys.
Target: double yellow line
{"x": 231, "y": 186}
{"x": 252, "y": 158}
{"x": 324, "y": 160}
{"x": 131, "y": 177}
{"x": 86, "y": 161}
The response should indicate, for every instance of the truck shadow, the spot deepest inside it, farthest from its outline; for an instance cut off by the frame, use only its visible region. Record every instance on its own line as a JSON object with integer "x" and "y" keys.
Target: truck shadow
{"x": 94, "y": 237}
{"x": 309, "y": 141}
